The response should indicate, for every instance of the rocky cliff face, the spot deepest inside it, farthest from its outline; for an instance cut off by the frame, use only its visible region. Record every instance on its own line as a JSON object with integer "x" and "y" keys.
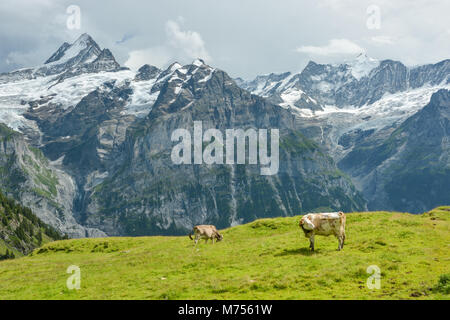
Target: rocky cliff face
{"x": 26, "y": 174}
{"x": 283, "y": 89}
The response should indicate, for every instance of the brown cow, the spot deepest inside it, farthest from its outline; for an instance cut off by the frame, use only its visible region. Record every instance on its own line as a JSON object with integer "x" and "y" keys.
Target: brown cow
{"x": 206, "y": 232}
{"x": 324, "y": 224}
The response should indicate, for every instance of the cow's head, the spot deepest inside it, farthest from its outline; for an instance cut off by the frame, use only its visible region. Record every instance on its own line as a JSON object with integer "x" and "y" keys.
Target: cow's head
{"x": 302, "y": 223}
{"x": 306, "y": 226}
{"x": 219, "y": 237}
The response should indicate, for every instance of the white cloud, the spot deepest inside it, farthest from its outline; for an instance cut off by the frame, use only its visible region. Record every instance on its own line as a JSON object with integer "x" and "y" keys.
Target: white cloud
{"x": 382, "y": 40}
{"x": 181, "y": 45}
{"x": 333, "y": 4}
{"x": 157, "y": 56}
{"x": 334, "y": 47}
{"x": 190, "y": 42}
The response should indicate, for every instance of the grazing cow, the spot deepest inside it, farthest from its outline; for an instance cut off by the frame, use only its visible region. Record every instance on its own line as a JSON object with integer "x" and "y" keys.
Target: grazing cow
{"x": 324, "y": 224}
{"x": 206, "y": 232}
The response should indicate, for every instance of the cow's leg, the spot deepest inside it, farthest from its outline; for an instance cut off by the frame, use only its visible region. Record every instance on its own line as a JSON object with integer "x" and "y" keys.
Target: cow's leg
{"x": 311, "y": 242}
{"x": 341, "y": 238}
{"x": 196, "y": 240}
{"x": 206, "y": 240}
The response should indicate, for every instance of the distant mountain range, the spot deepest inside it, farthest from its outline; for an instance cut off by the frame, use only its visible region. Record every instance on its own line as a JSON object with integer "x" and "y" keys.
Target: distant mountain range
{"x": 359, "y": 111}
{"x": 356, "y": 83}
{"x": 86, "y": 143}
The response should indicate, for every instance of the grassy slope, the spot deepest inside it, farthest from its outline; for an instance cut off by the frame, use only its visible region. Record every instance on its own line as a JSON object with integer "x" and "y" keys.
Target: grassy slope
{"x": 266, "y": 259}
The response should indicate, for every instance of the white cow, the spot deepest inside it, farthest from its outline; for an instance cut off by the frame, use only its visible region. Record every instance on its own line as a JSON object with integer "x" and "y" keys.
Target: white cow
{"x": 324, "y": 224}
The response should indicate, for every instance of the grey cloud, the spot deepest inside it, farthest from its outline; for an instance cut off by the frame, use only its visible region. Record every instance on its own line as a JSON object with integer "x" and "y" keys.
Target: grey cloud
{"x": 245, "y": 38}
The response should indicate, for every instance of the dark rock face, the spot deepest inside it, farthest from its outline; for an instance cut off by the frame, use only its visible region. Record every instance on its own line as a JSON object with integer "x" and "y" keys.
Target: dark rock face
{"x": 87, "y": 136}
{"x": 26, "y": 174}
{"x": 59, "y": 53}
{"x": 147, "y": 72}
{"x": 277, "y": 88}
{"x": 389, "y": 77}
{"x": 349, "y": 139}
{"x": 432, "y": 74}
{"x": 410, "y": 170}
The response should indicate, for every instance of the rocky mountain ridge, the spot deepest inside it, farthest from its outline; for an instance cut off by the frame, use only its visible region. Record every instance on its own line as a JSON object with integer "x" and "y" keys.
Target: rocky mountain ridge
{"x": 360, "y": 82}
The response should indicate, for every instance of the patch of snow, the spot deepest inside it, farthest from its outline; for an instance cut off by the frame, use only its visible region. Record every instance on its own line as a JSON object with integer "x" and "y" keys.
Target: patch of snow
{"x": 324, "y": 86}
{"x": 391, "y": 109}
{"x": 14, "y": 96}
{"x": 175, "y": 66}
{"x": 72, "y": 90}
{"x": 177, "y": 90}
{"x": 198, "y": 62}
{"x": 362, "y": 65}
{"x": 142, "y": 99}
{"x": 207, "y": 78}
{"x": 291, "y": 96}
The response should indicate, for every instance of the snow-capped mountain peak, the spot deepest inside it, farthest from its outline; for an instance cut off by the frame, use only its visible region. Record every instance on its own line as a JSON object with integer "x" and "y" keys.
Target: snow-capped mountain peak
{"x": 198, "y": 62}
{"x": 84, "y": 45}
{"x": 174, "y": 66}
{"x": 362, "y": 65}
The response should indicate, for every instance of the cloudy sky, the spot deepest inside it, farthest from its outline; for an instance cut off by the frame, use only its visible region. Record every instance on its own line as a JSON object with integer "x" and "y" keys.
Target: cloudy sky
{"x": 244, "y": 38}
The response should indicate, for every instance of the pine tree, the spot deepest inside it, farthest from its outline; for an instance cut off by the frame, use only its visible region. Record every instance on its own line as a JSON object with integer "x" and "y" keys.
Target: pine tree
{"x": 39, "y": 237}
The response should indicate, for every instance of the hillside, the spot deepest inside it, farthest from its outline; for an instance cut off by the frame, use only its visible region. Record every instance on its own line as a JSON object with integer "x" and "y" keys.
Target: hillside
{"x": 20, "y": 230}
{"x": 265, "y": 259}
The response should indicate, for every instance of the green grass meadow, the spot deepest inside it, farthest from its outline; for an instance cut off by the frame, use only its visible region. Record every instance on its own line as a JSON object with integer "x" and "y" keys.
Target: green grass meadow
{"x": 265, "y": 259}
